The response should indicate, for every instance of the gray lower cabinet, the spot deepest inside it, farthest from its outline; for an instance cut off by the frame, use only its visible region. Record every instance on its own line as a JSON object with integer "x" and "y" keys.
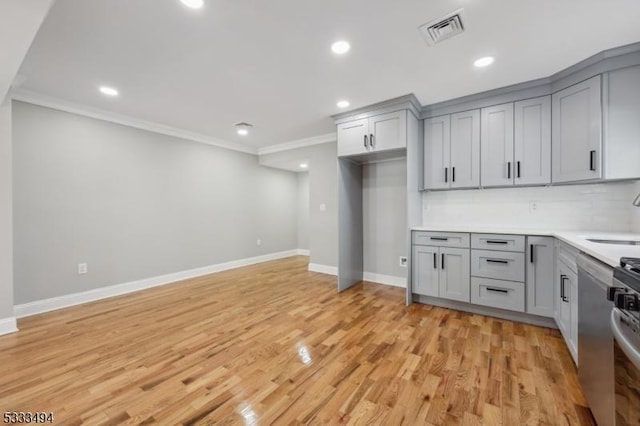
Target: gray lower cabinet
{"x": 566, "y": 306}
{"x": 540, "y": 258}
{"x": 498, "y": 293}
{"x": 497, "y": 271}
{"x": 454, "y": 274}
{"x": 441, "y": 272}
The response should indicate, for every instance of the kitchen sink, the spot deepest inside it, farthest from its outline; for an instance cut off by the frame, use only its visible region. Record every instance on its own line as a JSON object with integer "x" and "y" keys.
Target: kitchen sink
{"x": 618, "y": 242}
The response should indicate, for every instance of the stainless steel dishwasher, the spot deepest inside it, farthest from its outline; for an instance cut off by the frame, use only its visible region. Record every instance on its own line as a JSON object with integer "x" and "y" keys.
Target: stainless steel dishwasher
{"x": 595, "y": 339}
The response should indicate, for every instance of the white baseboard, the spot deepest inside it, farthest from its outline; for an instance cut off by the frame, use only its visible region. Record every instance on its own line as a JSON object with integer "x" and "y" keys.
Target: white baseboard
{"x": 8, "y": 325}
{"x": 366, "y": 276}
{"x": 323, "y": 269}
{"x": 303, "y": 252}
{"x": 385, "y": 279}
{"x": 47, "y": 305}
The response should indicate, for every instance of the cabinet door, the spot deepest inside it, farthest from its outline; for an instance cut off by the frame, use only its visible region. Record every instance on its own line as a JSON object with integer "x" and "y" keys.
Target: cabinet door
{"x": 572, "y": 289}
{"x": 454, "y": 276}
{"x": 539, "y": 277}
{"x": 496, "y": 144}
{"x": 621, "y": 90}
{"x": 351, "y": 137}
{"x": 437, "y": 136}
{"x": 465, "y": 149}
{"x": 564, "y": 307}
{"x": 388, "y": 131}
{"x": 577, "y": 128}
{"x": 425, "y": 270}
{"x": 532, "y": 141}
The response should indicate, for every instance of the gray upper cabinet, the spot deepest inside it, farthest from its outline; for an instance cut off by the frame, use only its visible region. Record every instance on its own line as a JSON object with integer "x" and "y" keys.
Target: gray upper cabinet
{"x": 379, "y": 133}
{"x": 540, "y": 276}
{"x": 621, "y": 93}
{"x": 388, "y": 131}
{"x": 496, "y": 143}
{"x": 532, "y": 141}
{"x": 577, "y": 130}
{"x": 353, "y": 137}
{"x": 465, "y": 150}
{"x": 452, "y": 151}
{"x": 437, "y": 149}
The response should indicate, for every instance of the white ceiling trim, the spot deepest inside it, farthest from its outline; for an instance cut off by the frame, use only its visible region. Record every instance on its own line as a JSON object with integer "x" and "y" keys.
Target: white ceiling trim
{"x": 66, "y": 106}
{"x": 300, "y": 143}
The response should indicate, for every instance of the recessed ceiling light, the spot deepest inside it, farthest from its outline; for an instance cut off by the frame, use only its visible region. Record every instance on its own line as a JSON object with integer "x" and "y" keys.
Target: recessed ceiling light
{"x": 343, "y": 103}
{"x": 483, "y": 62}
{"x": 193, "y": 4}
{"x": 109, "y": 91}
{"x": 340, "y": 47}
{"x": 304, "y": 165}
{"x": 243, "y": 128}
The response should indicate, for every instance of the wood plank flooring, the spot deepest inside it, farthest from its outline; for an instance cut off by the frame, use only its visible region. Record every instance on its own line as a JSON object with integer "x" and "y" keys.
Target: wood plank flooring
{"x": 275, "y": 344}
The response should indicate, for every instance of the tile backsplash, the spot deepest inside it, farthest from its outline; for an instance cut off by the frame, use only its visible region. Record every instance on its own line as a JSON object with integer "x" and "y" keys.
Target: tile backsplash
{"x": 601, "y": 207}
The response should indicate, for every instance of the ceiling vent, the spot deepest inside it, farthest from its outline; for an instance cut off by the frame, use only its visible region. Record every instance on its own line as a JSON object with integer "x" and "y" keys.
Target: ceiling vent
{"x": 443, "y": 28}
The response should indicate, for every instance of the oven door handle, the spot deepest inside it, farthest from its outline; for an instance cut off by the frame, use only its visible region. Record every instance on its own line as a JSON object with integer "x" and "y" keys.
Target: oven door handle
{"x": 619, "y": 335}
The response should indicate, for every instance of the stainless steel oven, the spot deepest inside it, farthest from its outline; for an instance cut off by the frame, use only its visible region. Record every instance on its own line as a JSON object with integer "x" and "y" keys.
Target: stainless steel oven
{"x": 625, "y": 327}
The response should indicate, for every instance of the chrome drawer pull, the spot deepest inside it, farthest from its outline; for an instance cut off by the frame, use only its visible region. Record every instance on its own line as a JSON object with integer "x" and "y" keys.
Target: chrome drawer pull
{"x": 497, "y": 242}
{"x": 497, "y": 290}
{"x": 498, "y": 261}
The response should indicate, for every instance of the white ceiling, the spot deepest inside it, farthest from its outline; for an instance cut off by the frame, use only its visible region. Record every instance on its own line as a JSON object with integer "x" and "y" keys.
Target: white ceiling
{"x": 19, "y": 22}
{"x": 269, "y": 62}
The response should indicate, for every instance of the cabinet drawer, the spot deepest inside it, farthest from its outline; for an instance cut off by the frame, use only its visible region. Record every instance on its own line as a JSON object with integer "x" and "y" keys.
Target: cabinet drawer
{"x": 440, "y": 239}
{"x": 497, "y": 293}
{"x": 498, "y": 242}
{"x": 568, "y": 256}
{"x": 500, "y": 265}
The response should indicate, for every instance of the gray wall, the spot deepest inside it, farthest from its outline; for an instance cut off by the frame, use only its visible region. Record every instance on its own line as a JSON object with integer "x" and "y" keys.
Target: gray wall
{"x": 133, "y": 204}
{"x": 636, "y": 210}
{"x": 384, "y": 199}
{"x": 6, "y": 227}
{"x": 323, "y": 189}
{"x": 303, "y": 210}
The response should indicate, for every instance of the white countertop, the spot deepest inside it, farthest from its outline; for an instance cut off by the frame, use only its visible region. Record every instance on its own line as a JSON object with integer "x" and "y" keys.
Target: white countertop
{"x": 607, "y": 253}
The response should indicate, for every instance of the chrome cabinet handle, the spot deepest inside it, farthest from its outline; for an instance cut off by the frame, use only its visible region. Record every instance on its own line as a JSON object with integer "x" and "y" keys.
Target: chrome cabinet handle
{"x": 446, "y": 174}
{"x": 518, "y": 164}
{"x": 365, "y": 141}
{"x": 592, "y": 160}
{"x": 509, "y": 170}
{"x": 435, "y": 261}
{"x": 442, "y": 260}
{"x": 453, "y": 174}
{"x": 372, "y": 141}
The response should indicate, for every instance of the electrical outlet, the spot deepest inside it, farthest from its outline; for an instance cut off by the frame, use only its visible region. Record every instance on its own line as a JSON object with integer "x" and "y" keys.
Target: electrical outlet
{"x": 259, "y": 242}
{"x": 83, "y": 268}
{"x": 533, "y": 206}
{"x": 403, "y": 261}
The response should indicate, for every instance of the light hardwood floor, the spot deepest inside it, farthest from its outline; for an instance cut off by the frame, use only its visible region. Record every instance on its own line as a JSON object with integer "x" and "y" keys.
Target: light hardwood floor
{"x": 273, "y": 343}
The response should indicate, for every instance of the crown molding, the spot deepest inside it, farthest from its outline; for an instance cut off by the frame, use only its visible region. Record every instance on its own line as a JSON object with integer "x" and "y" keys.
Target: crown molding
{"x": 300, "y": 143}
{"x": 74, "y": 108}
